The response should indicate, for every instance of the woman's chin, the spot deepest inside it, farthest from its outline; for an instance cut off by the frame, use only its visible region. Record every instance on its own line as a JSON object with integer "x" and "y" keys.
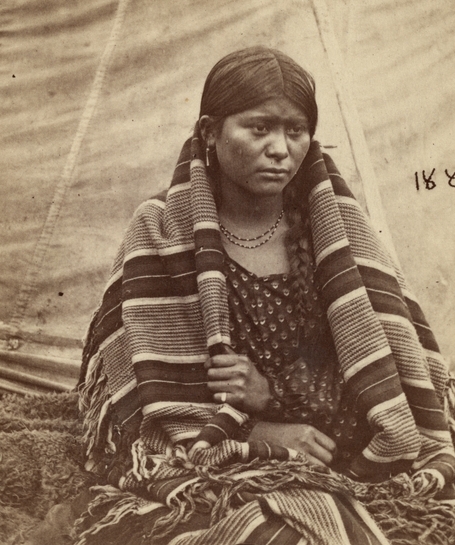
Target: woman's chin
{"x": 267, "y": 188}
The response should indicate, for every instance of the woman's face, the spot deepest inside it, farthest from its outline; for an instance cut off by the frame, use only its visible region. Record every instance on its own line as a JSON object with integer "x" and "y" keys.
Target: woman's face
{"x": 260, "y": 150}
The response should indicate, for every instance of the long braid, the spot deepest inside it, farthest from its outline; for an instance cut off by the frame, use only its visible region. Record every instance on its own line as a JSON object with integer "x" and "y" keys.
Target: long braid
{"x": 298, "y": 244}
{"x": 314, "y": 336}
{"x": 314, "y": 332}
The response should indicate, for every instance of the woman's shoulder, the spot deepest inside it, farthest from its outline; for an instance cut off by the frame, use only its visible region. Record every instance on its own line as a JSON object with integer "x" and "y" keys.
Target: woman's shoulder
{"x": 153, "y": 204}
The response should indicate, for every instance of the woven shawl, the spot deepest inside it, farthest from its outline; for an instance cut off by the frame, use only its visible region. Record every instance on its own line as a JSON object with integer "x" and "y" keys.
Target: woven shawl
{"x": 165, "y": 310}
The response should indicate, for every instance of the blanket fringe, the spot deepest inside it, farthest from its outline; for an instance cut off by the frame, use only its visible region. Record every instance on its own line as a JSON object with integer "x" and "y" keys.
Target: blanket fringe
{"x": 142, "y": 461}
{"x": 123, "y": 504}
{"x": 255, "y": 478}
{"x": 94, "y": 404}
{"x": 450, "y": 398}
{"x": 403, "y": 507}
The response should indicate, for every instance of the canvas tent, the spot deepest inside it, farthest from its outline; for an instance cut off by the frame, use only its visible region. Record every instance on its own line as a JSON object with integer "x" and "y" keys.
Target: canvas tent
{"x": 97, "y": 98}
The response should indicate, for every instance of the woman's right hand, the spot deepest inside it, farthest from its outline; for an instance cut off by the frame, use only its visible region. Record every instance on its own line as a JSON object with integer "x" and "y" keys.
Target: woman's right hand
{"x": 318, "y": 447}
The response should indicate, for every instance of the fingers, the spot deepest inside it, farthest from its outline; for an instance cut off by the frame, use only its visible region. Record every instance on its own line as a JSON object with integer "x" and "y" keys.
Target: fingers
{"x": 226, "y": 360}
{"x": 231, "y": 392}
{"x": 236, "y": 375}
{"x": 225, "y": 373}
{"x": 222, "y": 397}
{"x": 301, "y": 437}
{"x": 325, "y": 441}
{"x": 314, "y": 461}
{"x": 227, "y": 378}
{"x": 221, "y": 386}
{"x": 309, "y": 434}
{"x": 228, "y": 397}
{"x": 319, "y": 453}
{"x": 318, "y": 445}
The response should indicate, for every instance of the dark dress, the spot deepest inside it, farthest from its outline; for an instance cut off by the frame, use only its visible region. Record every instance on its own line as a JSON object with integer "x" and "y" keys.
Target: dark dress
{"x": 298, "y": 359}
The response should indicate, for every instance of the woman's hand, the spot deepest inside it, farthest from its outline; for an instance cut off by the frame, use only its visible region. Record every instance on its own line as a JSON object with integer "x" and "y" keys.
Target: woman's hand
{"x": 234, "y": 379}
{"x": 317, "y": 446}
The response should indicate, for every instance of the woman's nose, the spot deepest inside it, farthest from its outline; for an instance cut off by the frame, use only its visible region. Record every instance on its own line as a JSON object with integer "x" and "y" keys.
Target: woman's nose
{"x": 277, "y": 147}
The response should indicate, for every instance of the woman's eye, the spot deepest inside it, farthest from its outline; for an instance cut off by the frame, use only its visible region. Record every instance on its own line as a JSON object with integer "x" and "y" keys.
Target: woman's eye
{"x": 261, "y": 128}
{"x": 296, "y": 130}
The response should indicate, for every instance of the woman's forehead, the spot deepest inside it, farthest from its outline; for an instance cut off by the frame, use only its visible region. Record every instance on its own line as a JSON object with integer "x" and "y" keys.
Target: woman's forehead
{"x": 280, "y": 108}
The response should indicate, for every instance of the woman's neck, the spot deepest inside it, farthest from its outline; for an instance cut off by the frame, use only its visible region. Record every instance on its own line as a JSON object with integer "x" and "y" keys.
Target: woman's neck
{"x": 249, "y": 216}
{"x": 249, "y": 212}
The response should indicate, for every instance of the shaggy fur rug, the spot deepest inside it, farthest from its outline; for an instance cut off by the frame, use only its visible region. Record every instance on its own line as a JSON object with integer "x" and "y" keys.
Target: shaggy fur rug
{"x": 40, "y": 459}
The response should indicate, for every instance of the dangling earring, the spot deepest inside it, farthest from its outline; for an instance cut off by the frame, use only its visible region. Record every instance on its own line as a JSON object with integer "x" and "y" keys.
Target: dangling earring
{"x": 207, "y": 158}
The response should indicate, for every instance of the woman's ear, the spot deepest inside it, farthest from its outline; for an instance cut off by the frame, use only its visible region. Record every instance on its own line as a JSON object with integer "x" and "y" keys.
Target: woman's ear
{"x": 207, "y": 130}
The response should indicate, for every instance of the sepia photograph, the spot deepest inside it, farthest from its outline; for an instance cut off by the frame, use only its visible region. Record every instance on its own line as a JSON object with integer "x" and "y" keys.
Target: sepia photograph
{"x": 227, "y": 272}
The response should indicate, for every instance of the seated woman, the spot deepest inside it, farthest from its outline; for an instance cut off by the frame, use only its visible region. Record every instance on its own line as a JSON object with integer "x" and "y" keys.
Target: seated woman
{"x": 257, "y": 356}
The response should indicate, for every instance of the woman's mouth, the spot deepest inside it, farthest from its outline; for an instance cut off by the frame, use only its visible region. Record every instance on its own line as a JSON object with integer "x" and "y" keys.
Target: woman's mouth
{"x": 275, "y": 173}
{"x": 275, "y": 170}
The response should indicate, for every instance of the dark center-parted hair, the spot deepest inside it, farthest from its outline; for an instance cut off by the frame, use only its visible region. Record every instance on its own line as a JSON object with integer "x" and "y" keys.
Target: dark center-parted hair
{"x": 246, "y": 78}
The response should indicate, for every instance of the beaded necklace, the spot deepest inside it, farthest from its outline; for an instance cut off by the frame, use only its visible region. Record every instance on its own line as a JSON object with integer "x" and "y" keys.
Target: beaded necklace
{"x": 238, "y": 240}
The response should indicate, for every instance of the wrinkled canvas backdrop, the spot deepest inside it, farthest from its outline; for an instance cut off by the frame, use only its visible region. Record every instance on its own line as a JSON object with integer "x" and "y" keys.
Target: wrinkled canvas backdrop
{"x": 97, "y": 97}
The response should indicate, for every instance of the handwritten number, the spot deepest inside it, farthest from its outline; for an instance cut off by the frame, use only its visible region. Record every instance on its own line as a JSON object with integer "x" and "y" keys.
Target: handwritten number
{"x": 451, "y": 178}
{"x": 429, "y": 182}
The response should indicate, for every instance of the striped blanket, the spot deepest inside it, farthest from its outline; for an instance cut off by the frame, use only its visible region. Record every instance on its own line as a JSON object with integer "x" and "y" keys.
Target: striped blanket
{"x": 170, "y": 453}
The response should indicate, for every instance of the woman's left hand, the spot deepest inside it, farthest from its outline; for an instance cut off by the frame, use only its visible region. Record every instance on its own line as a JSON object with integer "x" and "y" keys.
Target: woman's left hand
{"x": 234, "y": 379}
